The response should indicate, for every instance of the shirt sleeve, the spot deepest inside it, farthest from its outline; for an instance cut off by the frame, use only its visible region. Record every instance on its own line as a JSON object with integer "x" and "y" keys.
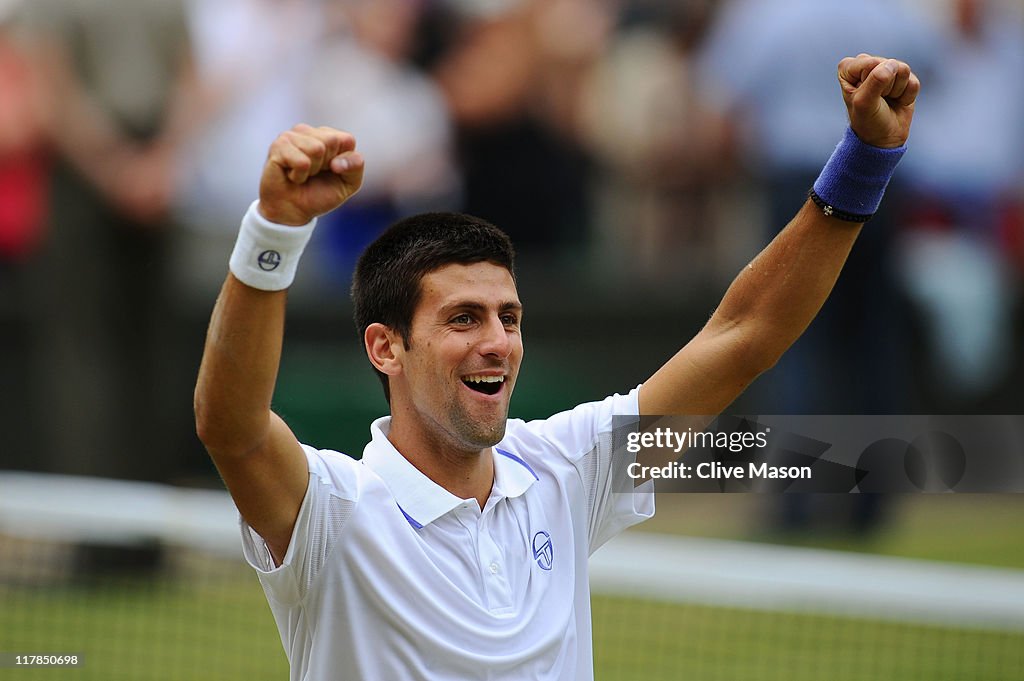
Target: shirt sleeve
{"x": 329, "y": 501}
{"x": 592, "y": 438}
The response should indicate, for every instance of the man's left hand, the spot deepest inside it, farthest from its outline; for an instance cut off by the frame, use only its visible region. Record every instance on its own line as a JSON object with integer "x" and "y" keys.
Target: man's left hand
{"x": 880, "y": 94}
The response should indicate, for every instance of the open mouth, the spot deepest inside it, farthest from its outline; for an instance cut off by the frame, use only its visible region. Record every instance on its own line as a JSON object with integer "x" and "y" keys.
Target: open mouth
{"x": 488, "y": 385}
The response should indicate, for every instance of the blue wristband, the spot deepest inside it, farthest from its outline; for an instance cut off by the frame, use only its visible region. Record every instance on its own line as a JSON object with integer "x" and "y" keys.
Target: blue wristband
{"x": 852, "y": 183}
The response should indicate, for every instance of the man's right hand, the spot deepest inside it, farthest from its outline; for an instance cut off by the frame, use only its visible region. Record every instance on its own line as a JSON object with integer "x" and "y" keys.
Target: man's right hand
{"x": 309, "y": 171}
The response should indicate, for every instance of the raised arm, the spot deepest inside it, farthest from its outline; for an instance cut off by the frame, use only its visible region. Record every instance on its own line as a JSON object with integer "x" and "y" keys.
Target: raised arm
{"x": 776, "y": 296}
{"x": 309, "y": 172}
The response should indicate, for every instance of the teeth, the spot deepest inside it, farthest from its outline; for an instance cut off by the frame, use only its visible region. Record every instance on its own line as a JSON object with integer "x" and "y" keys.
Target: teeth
{"x": 484, "y": 379}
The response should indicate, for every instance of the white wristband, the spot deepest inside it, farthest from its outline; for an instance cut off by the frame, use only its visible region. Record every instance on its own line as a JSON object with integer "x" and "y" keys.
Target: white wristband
{"x": 267, "y": 254}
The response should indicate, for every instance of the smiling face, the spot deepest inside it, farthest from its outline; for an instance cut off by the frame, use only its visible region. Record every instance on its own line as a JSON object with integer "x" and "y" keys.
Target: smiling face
{"x": 460, "y": 362}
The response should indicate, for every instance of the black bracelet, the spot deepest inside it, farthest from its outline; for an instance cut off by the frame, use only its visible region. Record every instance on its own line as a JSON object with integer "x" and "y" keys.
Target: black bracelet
{"x": 833, "y": 212}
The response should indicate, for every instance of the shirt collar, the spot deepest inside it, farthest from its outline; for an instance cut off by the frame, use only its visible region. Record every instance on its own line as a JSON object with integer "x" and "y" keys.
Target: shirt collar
{"x": 512, "y": 475}
{"x": 422, "y": 500}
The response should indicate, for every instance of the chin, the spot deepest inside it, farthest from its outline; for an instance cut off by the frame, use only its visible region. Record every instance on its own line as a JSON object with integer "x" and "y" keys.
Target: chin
{"x": 481, "y": 435}
{"x": 491, "y": 436}
{"x": 477, "y": 428}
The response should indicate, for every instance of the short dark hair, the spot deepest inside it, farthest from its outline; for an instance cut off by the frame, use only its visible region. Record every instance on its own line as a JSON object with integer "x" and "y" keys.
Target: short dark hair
{"x": 386, "y": 284}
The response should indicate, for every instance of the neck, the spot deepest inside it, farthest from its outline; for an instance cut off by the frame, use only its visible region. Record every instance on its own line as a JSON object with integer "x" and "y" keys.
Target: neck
{"x": 466, "y": 473}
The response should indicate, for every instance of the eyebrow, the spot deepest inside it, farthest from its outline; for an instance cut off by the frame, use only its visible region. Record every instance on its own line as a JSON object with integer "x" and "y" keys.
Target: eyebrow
{"x": 480, "y": 307}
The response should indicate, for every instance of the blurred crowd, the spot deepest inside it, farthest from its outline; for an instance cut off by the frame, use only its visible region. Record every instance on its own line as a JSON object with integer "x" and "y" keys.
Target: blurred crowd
{"x": 657, "y": 142}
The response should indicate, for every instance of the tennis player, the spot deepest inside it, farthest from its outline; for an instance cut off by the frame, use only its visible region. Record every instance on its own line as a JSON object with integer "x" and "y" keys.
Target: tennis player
{"x": 457, "y": 547}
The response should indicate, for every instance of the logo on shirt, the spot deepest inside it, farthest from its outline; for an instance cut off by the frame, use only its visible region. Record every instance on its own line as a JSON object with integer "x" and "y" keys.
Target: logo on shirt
{"x": 542, "y": 551}
{"x": 269, "y": 260}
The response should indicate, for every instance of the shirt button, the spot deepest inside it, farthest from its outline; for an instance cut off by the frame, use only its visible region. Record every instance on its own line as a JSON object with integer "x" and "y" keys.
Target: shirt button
{"x": 494, "y": 568}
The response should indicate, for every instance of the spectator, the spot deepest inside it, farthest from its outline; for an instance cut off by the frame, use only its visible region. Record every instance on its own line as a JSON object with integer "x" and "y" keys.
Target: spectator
{"x": 246, "y": 97}
{"x": 364, "y": 81}
{"x": 23, "y": 163}
{"x": 966, "y": 192}
{"x": 119, "y": 73}
{"x": 762, "y": 66}
{"x": 657, "y": 148}
{"x": 510, "y": 77}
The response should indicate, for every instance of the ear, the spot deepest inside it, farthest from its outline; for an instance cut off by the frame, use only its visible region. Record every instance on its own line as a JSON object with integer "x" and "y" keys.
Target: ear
{"x": 384, "y": 348}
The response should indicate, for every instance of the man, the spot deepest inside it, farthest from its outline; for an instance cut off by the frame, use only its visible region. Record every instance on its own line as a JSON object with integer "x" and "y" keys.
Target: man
{"x": 458, "y": 547}
{"x": 120, "y": 77}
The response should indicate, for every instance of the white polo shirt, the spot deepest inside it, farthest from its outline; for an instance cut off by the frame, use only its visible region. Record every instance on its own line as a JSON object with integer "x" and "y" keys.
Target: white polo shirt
{"x": 388, "y": 576}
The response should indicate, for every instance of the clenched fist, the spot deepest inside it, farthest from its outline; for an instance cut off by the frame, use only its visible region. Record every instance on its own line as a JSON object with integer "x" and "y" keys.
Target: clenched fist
{"x": 879, "y": 95}
{"x": 309, "y": 171}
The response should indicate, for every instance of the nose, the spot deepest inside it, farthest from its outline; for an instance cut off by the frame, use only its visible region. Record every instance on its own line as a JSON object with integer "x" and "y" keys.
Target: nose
{"x": 495, "y": 339}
